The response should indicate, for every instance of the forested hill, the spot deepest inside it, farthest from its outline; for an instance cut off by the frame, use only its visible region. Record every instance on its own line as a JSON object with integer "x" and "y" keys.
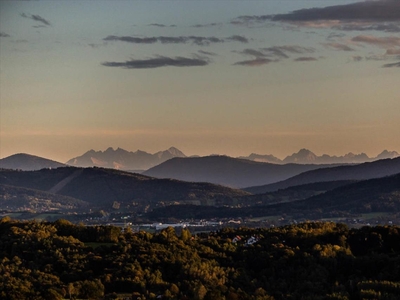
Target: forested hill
{"x": 227, "y": 171}
{"x": 308, "y": 261}
{"x": 103, "y": 187}
{"x": 13, "y": 198}
{"x": 376, "y": 169}
{"x": 374, "y": 195}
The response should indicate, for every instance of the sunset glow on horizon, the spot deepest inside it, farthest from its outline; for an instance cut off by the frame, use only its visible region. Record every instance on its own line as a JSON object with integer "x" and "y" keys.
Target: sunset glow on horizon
{"x": 207, "y": 77}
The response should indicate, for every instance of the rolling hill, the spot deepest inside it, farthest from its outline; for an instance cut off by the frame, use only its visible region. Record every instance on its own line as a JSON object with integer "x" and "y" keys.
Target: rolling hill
{"x": 226, "y": 170}
{"x": 376, "y": 169}
{"x": 293, "y": 193}
{"x": 15, "y": 198}
{"x": 373, "y": 195}
{"x": 27, "y": 162}
{"x": 108, "y": 188}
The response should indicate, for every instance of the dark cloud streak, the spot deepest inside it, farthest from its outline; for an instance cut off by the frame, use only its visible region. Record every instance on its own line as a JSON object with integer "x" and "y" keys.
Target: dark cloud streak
{"x": 338, "y": 46}
{"x": 157, "y": 62}
{"x": 207, "y": 53}
{"x": 197, "y": 40}
{"x": 305, "y": 59}
{"x": 390, "y": 41}
{"x": 254, "y": 62}
{"x": 207, "y": 25}
{"x": 276, "y": 51}
{"x": 369, "y": 10}
{"x": 238, "y": 38}
{"x": 36, "y": 18}
{"x": 393, "y": 65}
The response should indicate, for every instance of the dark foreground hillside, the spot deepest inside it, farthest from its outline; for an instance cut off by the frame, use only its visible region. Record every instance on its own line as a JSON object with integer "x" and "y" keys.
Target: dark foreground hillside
{"x": 105, "y": 188}
{"x": 367, "y": 196}
{"x": 307, "y": 261}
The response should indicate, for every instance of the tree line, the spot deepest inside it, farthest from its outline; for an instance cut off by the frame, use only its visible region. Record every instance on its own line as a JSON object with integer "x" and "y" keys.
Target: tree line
{"x": 58, "y": 260}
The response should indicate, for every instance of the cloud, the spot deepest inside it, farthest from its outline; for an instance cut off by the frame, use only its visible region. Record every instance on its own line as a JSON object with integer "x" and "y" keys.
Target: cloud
{"x": 159, "y": 61}
{"x": 376, "y": 57}
{"x": 3, "y": 34}
{"x": 95, "y": 46}
{"x": 207, "y": 53}
{"x": 276, "y": 51}
{"x": 393, "y": 65}
{"x": 36, "y": 18}
{"x": 130, "y": 39}
{"x": 252, "y": 52}
{"x": 384, "y": 10}
{"x": 338, "y": 46}
{"x": 207, "y": 25}
{"x": 160, "y": 25}
{"x": 157, "y": 25}
{"x": 357, "y": 58}
{"x": 385, "y": 42}
{"x": 379, "y": 15}
{"x": 334, "y": 35}
{"x": 357, "y": 26}
{"x": 197, "y": 40}
{"x": 250, "y": 20}
{"x": 254, "y": 62}
{"x": 281, "y": 51}
{"x": 393, "y": 51}
{"x": 238, "y": 38}
{"x": 305, "y": 59}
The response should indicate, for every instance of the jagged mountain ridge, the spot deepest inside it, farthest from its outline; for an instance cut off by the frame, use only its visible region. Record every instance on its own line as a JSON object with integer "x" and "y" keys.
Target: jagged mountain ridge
{"x": 124, "y": 160}
{"x": 140, "y": 160}
{"x": 305, "y": 156}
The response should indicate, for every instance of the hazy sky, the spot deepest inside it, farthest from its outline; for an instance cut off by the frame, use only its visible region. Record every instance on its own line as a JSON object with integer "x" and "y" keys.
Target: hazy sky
{"x": 226, "y": 77}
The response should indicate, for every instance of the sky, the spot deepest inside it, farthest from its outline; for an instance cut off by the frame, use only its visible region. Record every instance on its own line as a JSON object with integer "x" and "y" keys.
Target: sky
{"x": 207, "y": 77}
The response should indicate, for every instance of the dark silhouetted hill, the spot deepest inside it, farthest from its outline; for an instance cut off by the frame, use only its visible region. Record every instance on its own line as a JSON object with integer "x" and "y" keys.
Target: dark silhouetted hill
{"x": 226, "y": 170}
{"x": 374, "y": 195}
{"x": 293, "y": 193}
{"x": 27, "y": 162}
{"x": 104, "y": 187}
{"x": 376, "y": 169}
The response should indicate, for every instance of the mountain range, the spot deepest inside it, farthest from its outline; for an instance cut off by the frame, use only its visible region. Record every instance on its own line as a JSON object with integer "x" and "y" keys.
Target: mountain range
{"x": 140, "y": 161}
{"x": 305, "y": 156}
{"x": 324, "y": 192}
{"x": 121, "y": 159}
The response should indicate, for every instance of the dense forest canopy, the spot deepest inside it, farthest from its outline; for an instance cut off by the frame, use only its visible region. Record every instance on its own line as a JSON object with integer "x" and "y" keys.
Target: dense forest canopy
{"x": 42, "y": 260}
